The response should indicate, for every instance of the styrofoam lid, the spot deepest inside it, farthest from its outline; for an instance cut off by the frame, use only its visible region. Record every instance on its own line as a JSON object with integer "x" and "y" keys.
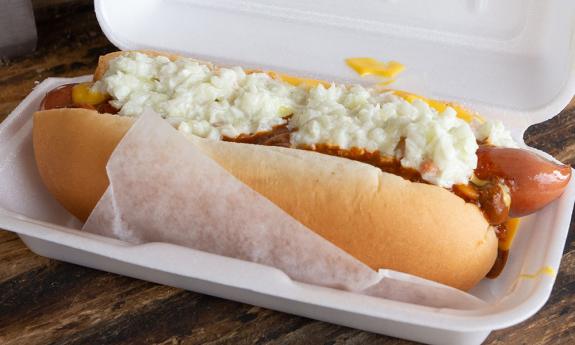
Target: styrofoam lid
{"x": 513, "y": 55}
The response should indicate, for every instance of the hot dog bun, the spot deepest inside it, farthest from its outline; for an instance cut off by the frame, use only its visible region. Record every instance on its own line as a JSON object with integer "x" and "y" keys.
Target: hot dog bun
{"x": 379, "y": 218}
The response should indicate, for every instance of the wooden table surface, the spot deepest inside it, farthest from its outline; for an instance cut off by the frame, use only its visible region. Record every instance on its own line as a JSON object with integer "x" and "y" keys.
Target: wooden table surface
{"x": 43, "y": 301}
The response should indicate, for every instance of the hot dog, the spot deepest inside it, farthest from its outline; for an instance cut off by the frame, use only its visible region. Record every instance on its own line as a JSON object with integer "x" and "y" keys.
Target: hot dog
{"x": 478, "y": 189}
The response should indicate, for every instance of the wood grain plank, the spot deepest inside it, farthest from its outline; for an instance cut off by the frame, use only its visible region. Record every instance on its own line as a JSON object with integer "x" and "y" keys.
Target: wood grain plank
{"x": 555, "y": 136}
{"x": 15, "y": 258}
{"x": 63, "y": 301}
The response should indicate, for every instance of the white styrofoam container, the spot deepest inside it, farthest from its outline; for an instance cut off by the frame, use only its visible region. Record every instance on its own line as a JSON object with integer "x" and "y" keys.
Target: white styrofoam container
{"x": 511, "y": 60}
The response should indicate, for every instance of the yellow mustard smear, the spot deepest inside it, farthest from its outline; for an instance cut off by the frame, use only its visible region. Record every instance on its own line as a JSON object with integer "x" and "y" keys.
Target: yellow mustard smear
{"x": 440, "y": 106}
{"x": 545, "y": 270}
{"x": 83, "y": 94}
{"x": 298, "y": 81}
{"x": 370, "y": 66}
{"x": 511, "y": 225}
{"x": 386, "y": 82}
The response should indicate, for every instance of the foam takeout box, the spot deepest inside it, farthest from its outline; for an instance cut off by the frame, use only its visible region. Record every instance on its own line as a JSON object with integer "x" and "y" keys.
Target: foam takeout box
{"x": 511, "y": 60}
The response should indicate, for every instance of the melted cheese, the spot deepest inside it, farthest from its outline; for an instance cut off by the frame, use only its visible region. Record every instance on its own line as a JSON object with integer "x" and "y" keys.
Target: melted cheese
{"x": 440, "y": 106}
{"x": 83, "y": 94}
{"x": 298, "y": 81}
{"x": 512, "y": 225}
{"x": 369, "y": 66}
{"x": 545, "y": 270}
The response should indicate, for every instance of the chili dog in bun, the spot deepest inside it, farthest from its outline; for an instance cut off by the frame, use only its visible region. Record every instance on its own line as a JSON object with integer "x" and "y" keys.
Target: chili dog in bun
{"x": 419, "y": 186}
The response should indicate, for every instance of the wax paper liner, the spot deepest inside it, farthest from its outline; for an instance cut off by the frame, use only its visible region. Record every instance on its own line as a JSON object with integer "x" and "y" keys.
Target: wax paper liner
{"x": 163, "y": 188}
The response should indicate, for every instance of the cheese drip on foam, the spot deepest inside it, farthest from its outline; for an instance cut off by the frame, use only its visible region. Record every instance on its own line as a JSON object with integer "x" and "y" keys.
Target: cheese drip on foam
{"x": 228, "y": 102}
